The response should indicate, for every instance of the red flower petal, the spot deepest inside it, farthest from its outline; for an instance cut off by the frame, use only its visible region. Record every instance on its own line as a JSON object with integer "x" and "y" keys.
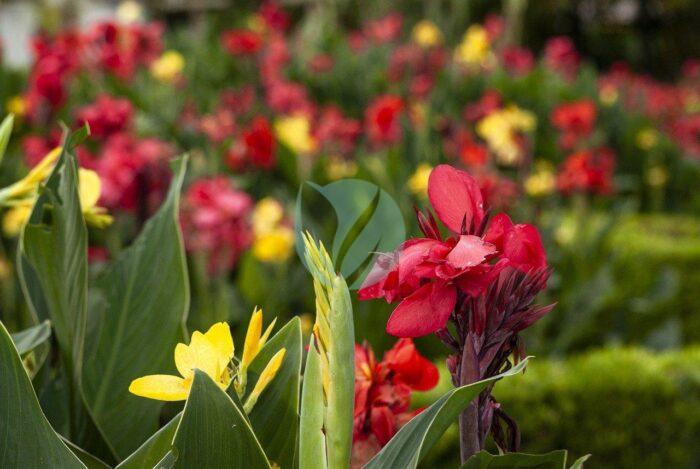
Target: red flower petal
{"x": 469, "y": 252}
{"x": 499, "y": 226}
{"x": 523, "y": 248}
{"x": 410, "y": 367}
{"x": 382, "y": 422}
{"x": 456, "y": 197}
{"x": 423, "y": 312}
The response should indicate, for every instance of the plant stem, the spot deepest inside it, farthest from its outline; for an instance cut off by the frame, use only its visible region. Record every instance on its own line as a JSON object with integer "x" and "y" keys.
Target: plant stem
{"x": 469, "y": 418}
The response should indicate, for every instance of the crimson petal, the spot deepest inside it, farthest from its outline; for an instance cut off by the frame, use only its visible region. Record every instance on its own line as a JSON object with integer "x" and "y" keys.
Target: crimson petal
{"x": 423, "y": 312}
{"x": 455, "y": 197}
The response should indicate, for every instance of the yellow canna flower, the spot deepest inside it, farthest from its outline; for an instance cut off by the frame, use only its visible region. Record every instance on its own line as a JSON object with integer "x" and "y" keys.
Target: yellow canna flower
{"x": 418, "y": 182}
{"x": 210, "y": 352}
{"x": 657, "y": 176}
{"x": 129, "y": 11}
{"x": 426, "y": 34}
{"x": 475, "y": 49}
{"x": 16, "y": 105}
{"x": 500, "y": 129}
{"x": 274, "y": 246}
{"x": 295, "y": 132}
{"x": 542, "y": 181}
{"x": 89, "y": 189}
{"x": 254, "y": 341}
{"x": 267, "y": 214}
{"x": 338, "y": 167}
{"x": 29, "y": 184}
{"x": 608, "y": 95}
{"x": 266, "y": 377}
{"x": 14, "y": 219}
{"x": 168, "y": 67}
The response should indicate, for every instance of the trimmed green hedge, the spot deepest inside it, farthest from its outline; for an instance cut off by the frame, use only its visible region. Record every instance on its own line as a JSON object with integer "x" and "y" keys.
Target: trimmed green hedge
{"x": 656, "y": 270}
{"x": 629, "y": 408}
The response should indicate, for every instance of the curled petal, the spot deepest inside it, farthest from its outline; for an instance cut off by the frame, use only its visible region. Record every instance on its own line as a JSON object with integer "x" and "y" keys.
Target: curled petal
{"x": 410, "y": 367}
{"x": 161, "y": 387}
{"x": 499, "y": 226}
{"x": 423, "y": 312}
{"x": 455, "y": 197}
{"x": 523, "y": 248}
{"x": 469, "y": 252}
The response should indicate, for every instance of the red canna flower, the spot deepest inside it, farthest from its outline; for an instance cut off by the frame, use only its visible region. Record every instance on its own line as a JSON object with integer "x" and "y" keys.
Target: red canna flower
{"x": 336, "y": 132}
{"x": 575, "y": 120}
{"x": 427, "y": 275}
{"x": 382, "y": 120}
{"x": 241, "y": 42}
{"x": 587, "y": 171}
{"x": 383, "y": 394}
{"x": 561, "y": 55}
{"x": 517, "y": 60}
{"x": 260, "y": 143}
{"x": 106, "y": 116}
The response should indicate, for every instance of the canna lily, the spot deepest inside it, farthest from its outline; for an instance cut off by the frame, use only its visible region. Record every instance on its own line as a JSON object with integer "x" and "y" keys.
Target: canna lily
{"x": 295, "y": 132}
{"x": 254, "y": 341}
{"x": 90, "y": 189}
{"x": 28, "y": 186}
{"x": 210, "y": 352}
{"x": 428, "y": 274}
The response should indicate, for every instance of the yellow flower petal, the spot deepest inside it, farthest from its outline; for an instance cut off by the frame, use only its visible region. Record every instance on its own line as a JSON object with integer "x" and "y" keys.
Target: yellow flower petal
{"x": 266, "y": 377}
{"x": 199, "y": 354}
{"x": 252, "y": 338}
{"x": 220, "y": 337}
{"x": 267, "y": 333}
{"x": 15, "y": 218}
{"x": 161, "y": 387}
{"x": 90, "y": 188}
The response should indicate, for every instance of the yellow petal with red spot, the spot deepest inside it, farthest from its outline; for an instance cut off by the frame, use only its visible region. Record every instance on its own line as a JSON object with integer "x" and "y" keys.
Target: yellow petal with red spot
{"x": 161, "y": 387}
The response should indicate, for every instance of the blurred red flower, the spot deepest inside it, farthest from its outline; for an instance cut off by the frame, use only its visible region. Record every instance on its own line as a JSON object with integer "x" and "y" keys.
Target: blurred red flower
{"x": 241, "y": 41}
{"x": 574, "y": 120}
{"x": 382, "y": 119}
{"x": 561, "y": 55}
{"x": 517, "y": 60}
{"x": 336, "y": 132}
{"x": 260, "y": 143}
{"x": 587, "y": 171}
{"x": 383, "y": 394}
{"x": 106, "y": 116}
{"x": 215, "y": 221}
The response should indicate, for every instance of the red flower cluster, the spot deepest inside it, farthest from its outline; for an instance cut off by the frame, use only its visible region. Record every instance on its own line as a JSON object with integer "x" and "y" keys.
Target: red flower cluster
{"x": 215, "y": 221}
{"x": 428, "y": 274}
{"x": 587, "y": 171}
{"x": 561, "y": 55}
{"x": 575, "y": 121}
{"x": 383, "y": 394}
{"x": 242, "y": 42}
{"x": 106, "y": 116}
{"x": 382, "y": 120}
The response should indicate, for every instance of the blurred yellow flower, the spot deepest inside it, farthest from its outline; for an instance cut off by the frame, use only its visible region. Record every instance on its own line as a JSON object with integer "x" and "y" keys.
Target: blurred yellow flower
{"x": 210, "y": 352}
{"x": 542, "y": 181}
{"x": 418, "y": 182}
{"x": 657, "y": 176}
{"x": 295, "y": 133}
{"x": 338, "y": 167}
{"x": 168, "y": 67}
{"x": 475, "y": 48}
{"x": 426, "y": 34}
{"x": 29, "y": 184}
{"x": 647, "y": 138}
{"x": 129, "y": 11}
{"x": 16, "y": 105}
{"x": 89, "y": 189}
{"x": 608, "y": 95}
{"x": 267, "y": 214}
{"x": 500, "y": 129}
{"x": 275, "y": 246}
{"x": 14, "y": 219}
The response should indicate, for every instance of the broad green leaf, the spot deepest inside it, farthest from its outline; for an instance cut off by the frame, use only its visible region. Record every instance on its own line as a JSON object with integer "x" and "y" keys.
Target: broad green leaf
{"x": 32, "y": 347}
{"x": 414, "y": 439}
{"x": 275, "y": 417}
{"x": 154, "y": 449}
{"x": 137, "y": 314}
{"x": 26, "y": 437}
{"x": 90, "y": 461}
{"x": 5, "y": 132}
{"x": 213, "y": 432}
{"x": 312, "y": 440}
{"x": 485, "y": 460}
{"x": 28, "y": 339}
{"x": 54, "y": 246}
{"x": 368, "y": 221}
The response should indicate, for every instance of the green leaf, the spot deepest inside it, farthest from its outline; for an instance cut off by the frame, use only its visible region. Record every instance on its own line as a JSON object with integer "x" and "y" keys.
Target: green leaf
{"x": 28, "y": 339}
{"x": 275, "y": 417}
{"x": 369, "y": 220}
{"x": 32, "y": 347}
{"x": 414, "y": 439}
{"x": 154, "y": 449}
{"x": 312, "y": 439}
{"x": 578, "y": 464}
{"x": 53, "y": 265}
{"x": 5, "y": 132}
{"x": 137, "y": 317}
{"x": 90, "y": 461}
{"x": 26, "y": 437}
{"x": 484, "y": 460}
{"x": 213, "y": 432}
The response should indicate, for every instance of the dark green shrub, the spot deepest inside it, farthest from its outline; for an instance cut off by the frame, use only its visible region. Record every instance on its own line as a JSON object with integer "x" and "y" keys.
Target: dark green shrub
{"x": 656, "y": 270}
{"x": 629, "y": 408}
